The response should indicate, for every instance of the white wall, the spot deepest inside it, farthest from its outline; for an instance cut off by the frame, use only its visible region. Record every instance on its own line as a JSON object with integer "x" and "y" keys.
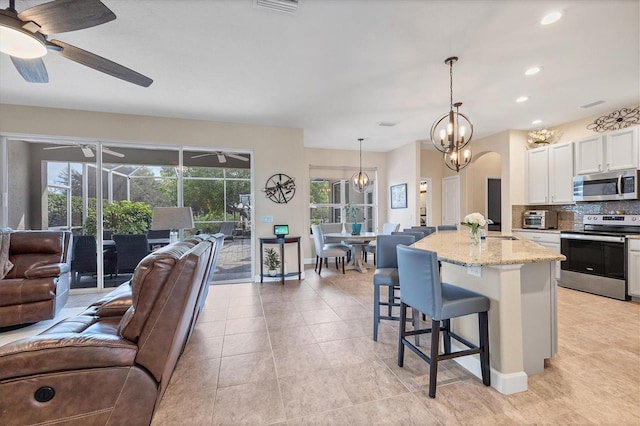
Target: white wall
{"x": 403, "y": 166}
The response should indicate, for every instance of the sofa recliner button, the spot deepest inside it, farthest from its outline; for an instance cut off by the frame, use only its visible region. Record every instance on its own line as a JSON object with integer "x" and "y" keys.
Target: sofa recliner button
{"x": 44, "y": 394}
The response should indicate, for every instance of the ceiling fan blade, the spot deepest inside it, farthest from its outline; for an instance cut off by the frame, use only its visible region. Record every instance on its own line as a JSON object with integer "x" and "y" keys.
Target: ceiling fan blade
{"x": 114, "y": 153}
{"x": 221, "y": 158}
{"x": 32, "y": 70}
{"x": 202, "y": 155}
{"x": 237, "y": 157}
{"x": 60, "y": 16}
{"x": 58, "y": 147}
{"x": 99, "y": 63}
{"x": 87, "y": 151}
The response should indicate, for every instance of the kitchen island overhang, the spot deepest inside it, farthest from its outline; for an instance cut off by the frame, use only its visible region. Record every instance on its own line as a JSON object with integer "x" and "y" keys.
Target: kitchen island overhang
{"x": 519, "y": 277}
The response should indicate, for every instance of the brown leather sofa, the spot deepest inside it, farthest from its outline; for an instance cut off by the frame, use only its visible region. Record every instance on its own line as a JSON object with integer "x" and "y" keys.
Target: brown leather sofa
{"x": 111, "y": 364}
{"x": 37, "y": 287}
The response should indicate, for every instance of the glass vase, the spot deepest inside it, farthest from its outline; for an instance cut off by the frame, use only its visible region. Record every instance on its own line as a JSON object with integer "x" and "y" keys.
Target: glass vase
{"x": 474, "y": 235}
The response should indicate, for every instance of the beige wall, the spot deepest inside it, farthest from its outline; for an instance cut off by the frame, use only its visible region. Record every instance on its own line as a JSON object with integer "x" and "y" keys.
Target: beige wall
{"x": 267, "y": 143}
{"x": 431, "y": 166}
{"x": 403, "y": 166}
{"x": 487, "y": 165}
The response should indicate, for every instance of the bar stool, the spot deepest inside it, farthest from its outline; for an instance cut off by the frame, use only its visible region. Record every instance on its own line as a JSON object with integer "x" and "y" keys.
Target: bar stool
{"x": 447, "y": 227}
{"x": 422, "y": 290}
{"x": 417, "y": 234}
{"x": 428, "y": 230}
{"x": 386, "y": 274}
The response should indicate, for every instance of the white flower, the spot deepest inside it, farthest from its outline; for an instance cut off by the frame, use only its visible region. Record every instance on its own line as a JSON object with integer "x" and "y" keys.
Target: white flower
{"x": 542, "y": 135}
{"x": 475, "y": 220}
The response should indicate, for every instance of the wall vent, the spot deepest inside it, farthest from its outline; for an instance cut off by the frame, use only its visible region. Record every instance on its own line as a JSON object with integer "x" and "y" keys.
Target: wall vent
{"x": 592, "y": 104}
{"x": 287, "y": 6}
{"x": 387, "y": 123}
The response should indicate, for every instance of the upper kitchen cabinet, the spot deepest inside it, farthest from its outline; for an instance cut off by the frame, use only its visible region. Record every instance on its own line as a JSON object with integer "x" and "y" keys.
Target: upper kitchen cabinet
{"x": 609, "y": 152}
{"x": 550, "y": 174}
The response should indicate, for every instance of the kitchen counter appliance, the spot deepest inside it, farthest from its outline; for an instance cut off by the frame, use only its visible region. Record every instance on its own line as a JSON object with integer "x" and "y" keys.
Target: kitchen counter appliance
{"x": 622, "y": 185}
{"x": 596, "y": 256}
{"x": 540, "y": 219}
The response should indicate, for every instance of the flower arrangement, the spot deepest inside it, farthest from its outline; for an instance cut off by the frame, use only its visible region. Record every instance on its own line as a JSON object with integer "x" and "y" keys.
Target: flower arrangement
{"x": 541, "y": 136}
{"x": 352, "y": 211}
{"x": 475, "y": 221}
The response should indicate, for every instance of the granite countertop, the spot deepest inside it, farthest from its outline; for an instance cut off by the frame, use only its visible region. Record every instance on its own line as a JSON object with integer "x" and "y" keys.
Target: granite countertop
{"x": 455, "y": 247}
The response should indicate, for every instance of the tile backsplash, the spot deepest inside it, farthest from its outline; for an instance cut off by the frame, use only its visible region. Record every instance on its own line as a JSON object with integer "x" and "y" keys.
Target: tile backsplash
{"x": 570, "y": 215}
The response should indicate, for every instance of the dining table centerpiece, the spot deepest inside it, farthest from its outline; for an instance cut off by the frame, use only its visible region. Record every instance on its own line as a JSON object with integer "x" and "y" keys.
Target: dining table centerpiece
{"x": 475, "y": 221}
{"x": 351, "y": 211}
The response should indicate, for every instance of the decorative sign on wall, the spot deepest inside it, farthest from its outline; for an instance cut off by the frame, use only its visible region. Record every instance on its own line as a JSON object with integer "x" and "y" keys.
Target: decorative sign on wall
{"x": 280, "y": 188}
{"x": 620, "y": 119}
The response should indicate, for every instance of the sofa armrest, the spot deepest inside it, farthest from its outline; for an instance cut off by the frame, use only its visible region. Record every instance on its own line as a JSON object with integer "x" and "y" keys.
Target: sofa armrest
{"x": 51, "y": 352}
{"x": 52, "y": 270}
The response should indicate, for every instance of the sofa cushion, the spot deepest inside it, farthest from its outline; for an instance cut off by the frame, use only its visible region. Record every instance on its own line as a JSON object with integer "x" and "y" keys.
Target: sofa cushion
{"x": 30, "y": 249}
{"x": 18, "y": 291}
{"x": 5, "y": 263}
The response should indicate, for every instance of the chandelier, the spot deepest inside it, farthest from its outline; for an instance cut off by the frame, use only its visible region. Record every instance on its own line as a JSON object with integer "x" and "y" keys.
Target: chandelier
{"x": 449, "y": 131}
{"x": 360, "y": 181}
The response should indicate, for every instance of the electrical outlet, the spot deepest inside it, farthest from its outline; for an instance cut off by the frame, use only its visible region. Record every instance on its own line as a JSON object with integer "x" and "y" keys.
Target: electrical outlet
{"x": 476, "y": 271}
{"x": 266, "y": 219}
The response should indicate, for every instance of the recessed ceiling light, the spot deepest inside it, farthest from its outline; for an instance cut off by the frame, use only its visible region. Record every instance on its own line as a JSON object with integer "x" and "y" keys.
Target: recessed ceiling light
{"x": 551, "y": 17}
{"x": 536, "y": 122}
{"x": 533, "y": 70}
{"x": 522, "y": 99}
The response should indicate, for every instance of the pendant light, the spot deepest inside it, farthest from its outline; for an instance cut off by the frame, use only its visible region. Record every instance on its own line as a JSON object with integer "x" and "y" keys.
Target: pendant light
{"x": 449, "y": 131}
{"x": 360, "y": 181}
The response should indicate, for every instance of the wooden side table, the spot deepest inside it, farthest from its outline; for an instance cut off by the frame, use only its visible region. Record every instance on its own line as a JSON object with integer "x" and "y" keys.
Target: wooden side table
{"x": 281, "y": 242}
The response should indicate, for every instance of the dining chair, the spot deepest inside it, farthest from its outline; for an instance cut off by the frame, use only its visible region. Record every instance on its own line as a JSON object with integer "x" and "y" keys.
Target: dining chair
{"x": 130, "y": 250}
{"x": 321, "y": 231}
{"x": 387, "y": 229}
{"x": 386, "y": 274}
{"x": 422, "y": 290}
{"x": 323, "y": 251}
{"x": 83, "y": 261}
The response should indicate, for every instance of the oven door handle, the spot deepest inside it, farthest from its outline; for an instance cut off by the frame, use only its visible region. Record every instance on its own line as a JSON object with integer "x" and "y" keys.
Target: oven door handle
{"x": 605, "y": 238}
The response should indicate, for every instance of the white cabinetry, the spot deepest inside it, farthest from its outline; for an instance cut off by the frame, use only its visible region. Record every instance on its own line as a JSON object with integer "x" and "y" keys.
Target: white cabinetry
{"x": 633, "y": 271}
{"x": 609, "y": 152}
{"x": 550, "y": 175}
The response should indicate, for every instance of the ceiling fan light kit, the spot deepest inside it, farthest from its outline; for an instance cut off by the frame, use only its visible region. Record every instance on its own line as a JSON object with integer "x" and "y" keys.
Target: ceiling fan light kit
{"x": 23, "y": 36}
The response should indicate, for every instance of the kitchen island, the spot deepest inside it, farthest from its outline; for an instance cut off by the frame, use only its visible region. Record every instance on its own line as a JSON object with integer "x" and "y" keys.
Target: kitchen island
{"x": 519, "y": 277}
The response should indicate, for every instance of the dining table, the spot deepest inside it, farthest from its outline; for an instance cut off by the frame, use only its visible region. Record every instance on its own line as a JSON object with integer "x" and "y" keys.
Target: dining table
{"x": 356, "y": 242}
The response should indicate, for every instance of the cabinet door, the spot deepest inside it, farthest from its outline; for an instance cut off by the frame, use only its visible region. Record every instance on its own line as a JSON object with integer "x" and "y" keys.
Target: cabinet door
{"x": 538, "y": 176}
{"x": 588, "y": 155}
{"x": 622, "y": 149}
{"x": 633, "y": 277}
{"x": 561, "y": 174}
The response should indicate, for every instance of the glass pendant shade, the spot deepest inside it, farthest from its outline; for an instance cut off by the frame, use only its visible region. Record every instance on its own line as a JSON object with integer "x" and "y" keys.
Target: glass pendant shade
{"x": 360, "y": 181}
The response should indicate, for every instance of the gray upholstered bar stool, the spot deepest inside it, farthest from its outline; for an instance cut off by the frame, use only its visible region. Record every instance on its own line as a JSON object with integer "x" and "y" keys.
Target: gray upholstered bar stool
{"x": 386, "y": 274}
{"x": 447, "y": 227}
{"x": 428, "y": 230}
{"x": 417, "y": 234}
{"x": 422, "y": 290}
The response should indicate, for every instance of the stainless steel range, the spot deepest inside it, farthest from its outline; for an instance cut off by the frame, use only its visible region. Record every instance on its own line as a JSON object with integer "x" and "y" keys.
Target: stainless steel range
{"x": 596, "y": 256}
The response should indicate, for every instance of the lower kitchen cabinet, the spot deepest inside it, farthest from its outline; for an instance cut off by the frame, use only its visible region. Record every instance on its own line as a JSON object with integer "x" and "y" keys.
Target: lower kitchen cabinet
{"x": 633, "y": 268}
{"x": 550, "y": 240}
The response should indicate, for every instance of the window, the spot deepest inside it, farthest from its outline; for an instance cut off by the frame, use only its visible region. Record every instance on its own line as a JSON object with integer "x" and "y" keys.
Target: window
{"x": 328, "y": 197}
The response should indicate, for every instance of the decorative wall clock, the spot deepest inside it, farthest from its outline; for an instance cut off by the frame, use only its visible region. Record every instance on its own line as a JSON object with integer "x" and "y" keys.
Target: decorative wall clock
{"x": 280, "y": 188}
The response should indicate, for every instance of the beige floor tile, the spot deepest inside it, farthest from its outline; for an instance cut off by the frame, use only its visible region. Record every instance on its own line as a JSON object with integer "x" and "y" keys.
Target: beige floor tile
{"x": 291, "y": 336}
{"x": 245, "y": 325}
{"x": 250, "y": 311}
{"x": 342, "y": 353}
{"x": 312, "y": 393}
{"x": 246, "y": 368}
{"x": 284, "y": 320}
{"x": 337, "y": 330}
{"x": 204, "y": 330}
{"x": 319, "y": 316}
{"x": 369, "y": 381}
{"x": 292, "y": 361}
{"x": 248, "y": 404}
{"x": 203, "y": 348}
{"x": 353, "y": 312}
{"x": 312, "y": 304}
{"x": 244, "y": 343}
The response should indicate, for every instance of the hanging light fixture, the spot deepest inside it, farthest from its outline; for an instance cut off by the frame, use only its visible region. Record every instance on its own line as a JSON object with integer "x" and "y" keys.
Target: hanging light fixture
{"x": 449, "y": 131}
{"x": 360, "y": 181}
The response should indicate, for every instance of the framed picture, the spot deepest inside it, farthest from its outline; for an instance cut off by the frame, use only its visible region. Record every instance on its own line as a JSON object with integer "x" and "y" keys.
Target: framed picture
{"x": 399, "y": 196}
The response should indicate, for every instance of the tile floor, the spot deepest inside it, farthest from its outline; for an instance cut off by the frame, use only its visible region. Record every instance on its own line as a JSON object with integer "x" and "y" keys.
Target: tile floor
{"x": 302, "y": 354}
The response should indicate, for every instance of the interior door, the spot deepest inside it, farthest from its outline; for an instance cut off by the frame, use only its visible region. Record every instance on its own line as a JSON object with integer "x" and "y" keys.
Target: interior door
{"x": 451, "y": 200}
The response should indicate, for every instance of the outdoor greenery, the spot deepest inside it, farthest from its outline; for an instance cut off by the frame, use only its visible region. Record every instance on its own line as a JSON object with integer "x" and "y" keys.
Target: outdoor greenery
{"x": 121, "y": 217}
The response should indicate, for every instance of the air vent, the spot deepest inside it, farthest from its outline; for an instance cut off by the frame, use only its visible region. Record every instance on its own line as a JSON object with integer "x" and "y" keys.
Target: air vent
{"x": 287, "y": 6}
{"x": 387, "y": 124}
{"x": 592, "y": 104}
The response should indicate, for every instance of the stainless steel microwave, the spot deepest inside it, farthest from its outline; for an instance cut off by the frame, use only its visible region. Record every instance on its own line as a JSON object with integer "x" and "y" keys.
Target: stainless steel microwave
{"x": 622, "y": 185}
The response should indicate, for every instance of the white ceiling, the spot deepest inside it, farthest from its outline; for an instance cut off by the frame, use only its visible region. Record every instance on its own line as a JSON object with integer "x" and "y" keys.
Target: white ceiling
{"x": 338, "y": 68}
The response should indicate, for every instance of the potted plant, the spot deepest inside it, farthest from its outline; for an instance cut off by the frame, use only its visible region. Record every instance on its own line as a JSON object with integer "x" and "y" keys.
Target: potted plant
{"x": 352, "y": 212}
{"x": 271, "y": 261}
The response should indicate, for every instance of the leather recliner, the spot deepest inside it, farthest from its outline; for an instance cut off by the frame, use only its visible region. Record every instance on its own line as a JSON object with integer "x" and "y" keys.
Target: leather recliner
{"x": 37, "y": 287}
{"x": 105, "y": 367}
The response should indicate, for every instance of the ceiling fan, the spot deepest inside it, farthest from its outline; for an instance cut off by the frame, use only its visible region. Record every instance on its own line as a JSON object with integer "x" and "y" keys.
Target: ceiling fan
{"x": 86, "y": 150}
{"x": 222, "y": 156}
{"x": 23, "y": 36}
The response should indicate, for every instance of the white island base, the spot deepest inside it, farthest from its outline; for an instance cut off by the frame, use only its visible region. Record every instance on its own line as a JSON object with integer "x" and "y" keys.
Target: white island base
{"x": 522, "y": 319}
